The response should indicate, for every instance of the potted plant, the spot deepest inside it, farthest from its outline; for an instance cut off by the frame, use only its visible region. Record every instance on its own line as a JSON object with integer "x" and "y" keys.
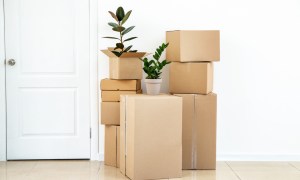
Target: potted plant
{"x": 124, "y": 63}
{"x": 153, "y": 70}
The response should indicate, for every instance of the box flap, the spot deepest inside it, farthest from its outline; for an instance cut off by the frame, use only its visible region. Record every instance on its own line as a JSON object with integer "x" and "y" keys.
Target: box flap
{"x": 125, "y": 54}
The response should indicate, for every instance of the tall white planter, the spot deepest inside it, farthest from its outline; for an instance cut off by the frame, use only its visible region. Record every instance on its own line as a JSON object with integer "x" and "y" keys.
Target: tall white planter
{"x": 153, "y": 86}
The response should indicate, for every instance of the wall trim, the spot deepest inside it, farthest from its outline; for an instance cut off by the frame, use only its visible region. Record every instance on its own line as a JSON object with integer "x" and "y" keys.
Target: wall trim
{"x": 2, "y": 87}
{"x": 258, "y": 157}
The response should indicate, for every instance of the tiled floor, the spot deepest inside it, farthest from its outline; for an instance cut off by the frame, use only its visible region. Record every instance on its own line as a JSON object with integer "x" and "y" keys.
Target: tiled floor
{"x": 85, "y": 170}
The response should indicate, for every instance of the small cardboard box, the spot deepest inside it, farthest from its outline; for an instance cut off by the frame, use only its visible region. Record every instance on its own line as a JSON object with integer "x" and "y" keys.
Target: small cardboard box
{"x": 127, "y": 66}
{"x": 196, "y": 77}
{"x": 110, "y": 113}
{"x": 199, "y": 131}
{"x": 120, "y": 85}
{"x": 150, "y": 136}
{"x": 189, "y": 46}
{"x": 112, "y": 146}
{"x": 114, "y": 96}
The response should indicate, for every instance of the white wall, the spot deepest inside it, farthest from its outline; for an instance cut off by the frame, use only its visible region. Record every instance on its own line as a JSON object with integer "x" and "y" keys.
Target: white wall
{"x": 2, "y": 89}
{"x": 258, "y": 78}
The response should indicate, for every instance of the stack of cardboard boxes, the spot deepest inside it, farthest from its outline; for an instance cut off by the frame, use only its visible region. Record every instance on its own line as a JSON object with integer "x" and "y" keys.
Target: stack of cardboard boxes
{"x": 125, "y": 74}
{"x": 191, "y": 77}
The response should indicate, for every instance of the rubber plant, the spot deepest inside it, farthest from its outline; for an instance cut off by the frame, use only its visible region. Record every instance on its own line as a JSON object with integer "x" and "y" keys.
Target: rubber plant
{"x": 154, "y": 67}
{"x": 121, "y": 17}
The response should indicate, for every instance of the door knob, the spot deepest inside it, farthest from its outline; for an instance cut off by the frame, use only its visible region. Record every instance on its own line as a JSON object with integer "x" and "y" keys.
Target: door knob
{"x": 11, "y": 62}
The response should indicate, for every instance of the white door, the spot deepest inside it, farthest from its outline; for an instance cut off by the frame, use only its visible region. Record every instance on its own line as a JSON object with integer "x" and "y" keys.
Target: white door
{"x": 48, "y": 86}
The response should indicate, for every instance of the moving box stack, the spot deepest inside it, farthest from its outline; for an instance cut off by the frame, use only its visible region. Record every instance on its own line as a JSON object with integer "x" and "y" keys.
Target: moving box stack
{"x": 191, "y": 77}
{"x": 125, "y": 74}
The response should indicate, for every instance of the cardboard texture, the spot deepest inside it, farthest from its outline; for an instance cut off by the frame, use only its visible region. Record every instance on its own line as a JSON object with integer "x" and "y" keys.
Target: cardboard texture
{"x": 199, "y": 131}
{"x": 120, "y": 85}
{"x": 150, "y": 136}
{"x": 127, "y": 66}
{"x": 112, "y": 146}
{"x": 189, "y": 46}
{"x": 110, "y": 113}
{"x": 114, "y": 96}
{"x": 193, "y": 77}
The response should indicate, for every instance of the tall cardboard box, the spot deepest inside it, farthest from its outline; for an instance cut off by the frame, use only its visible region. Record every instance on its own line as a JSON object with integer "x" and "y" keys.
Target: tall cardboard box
{"x": 199, "y": 131}
{"x": 189, "y": 46}
{"x": 120, "y": 85}
{"x": 150, "y": 136}
{"x": 112, "y": 146}
{"x": 110, "y": 113}
{"x": 196, "y": 77}
{"x": 127, "y": 66}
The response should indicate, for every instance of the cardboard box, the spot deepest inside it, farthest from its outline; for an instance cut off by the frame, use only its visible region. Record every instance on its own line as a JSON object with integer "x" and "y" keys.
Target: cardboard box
{"x": 114, "y": 96}
{"x": 110, "y": 113}
{"x": 193, "y": 77}
{"x": 199, "y": 131}
{"x": 120, "y": 85}
{"x": 112, "y": 146}
{"x": 150, "y": 136}
{"x": 127, "y": 66}
{"x": 189, "y": 46}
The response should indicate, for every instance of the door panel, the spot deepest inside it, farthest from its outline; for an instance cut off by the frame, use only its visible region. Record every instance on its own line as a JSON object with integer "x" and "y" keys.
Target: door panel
{"x": 48, "y": 87}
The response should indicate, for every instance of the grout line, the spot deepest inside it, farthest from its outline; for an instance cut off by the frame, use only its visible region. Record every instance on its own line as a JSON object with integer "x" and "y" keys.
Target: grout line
{"x": 294, "y": 166}
{"x": 233, "y": 171}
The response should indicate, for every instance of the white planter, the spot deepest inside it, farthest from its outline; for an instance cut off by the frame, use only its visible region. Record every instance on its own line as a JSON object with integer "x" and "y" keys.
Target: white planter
{"x": 153, "y": 86}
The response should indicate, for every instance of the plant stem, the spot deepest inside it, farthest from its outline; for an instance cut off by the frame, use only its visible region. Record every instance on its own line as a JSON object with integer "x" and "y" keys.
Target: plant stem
{"x": 121, "y": 37}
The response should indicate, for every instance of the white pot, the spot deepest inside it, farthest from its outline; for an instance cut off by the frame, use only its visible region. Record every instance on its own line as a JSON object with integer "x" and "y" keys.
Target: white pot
{"x": 153, "y": 86}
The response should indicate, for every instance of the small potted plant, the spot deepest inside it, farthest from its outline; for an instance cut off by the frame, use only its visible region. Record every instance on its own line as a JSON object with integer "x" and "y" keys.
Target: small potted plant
{"x": 124, "y": 62}
{"x": 153, "y": 70}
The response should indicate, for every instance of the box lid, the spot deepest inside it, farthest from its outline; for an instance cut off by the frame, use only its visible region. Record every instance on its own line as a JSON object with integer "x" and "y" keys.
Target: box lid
{"x": 125, "y": 54}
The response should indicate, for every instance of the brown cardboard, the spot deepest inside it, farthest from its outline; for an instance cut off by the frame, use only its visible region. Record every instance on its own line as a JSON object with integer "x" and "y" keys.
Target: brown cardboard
{"x": 112, "y": 146}
{"x": 114, "y": 96}
{"x": 110, "y": 113}
{"x": 150, "y": 136}
{"x": 196, "y": 77}
{"x": 199, "y": 131}
{"x": 127, "y": 66}
{"x": 120, "y": 85}
{"x": 189, "y": 46}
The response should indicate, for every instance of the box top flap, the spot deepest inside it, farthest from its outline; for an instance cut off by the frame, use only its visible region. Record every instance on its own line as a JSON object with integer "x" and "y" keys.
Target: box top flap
{"x": 125, "y": 54}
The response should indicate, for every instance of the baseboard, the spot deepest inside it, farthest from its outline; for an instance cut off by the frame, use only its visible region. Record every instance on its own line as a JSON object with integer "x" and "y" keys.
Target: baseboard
{"x": 258, "y": 157}
{"x": 101, "y": 156}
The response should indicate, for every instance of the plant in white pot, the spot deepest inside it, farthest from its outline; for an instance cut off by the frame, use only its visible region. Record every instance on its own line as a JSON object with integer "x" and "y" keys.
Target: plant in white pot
{"x": 153, "y": 70}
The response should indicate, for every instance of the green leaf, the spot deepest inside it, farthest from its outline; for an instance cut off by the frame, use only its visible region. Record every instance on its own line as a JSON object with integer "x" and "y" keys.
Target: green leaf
{"x": 120, "y": 13}
{"x": 129, "y": 39}
{"x": 133, "y": 50}
{"x": 128, "y": 48}
{"x": 118, "y": 29}
{"x": 120, "y": 45}
{"x": 117, "y": 53}
{"x": 126, "y": 17}
{"x": 127, "y": 30}
{"x": 113, "y": 24}
{"x": 113, "y": 15}
{"x": 108, "y": 37}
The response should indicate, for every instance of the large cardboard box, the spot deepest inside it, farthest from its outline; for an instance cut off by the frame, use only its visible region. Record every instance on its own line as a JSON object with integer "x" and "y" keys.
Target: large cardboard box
{"x": 120, "y": 85}
{"x": 110, "y": 113}
{"x": 189, "y": 46}
{"x": 112, "y": 146}
{"x": 127, "y": 66}
{"x": 199, "y": 131}
{"x": 114, "y": 96}
{"x": 196, "y": 77}
{"x": 150, "y": 136}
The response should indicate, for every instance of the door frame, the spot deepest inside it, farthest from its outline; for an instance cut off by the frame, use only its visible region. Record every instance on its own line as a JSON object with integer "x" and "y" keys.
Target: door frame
{"x": 94, "y": 88}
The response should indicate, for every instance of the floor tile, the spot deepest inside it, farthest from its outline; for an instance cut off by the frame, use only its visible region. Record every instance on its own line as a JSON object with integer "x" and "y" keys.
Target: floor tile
{"x": 261, "y": 166}
{"x": 295, "y": 165}
{"x": 269, "y": 175}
